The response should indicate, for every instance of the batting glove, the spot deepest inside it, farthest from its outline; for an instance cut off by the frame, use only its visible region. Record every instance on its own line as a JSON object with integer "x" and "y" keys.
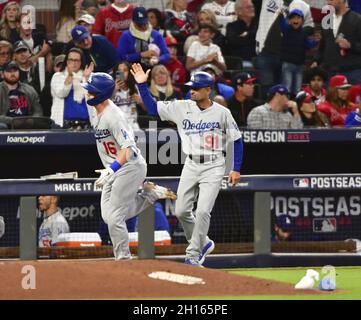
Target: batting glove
{"x": 105, "y": 175}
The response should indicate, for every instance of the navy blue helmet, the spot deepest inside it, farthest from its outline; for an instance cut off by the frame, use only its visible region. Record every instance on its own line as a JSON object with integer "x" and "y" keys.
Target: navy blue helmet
{"x": 101, "y": 85}
{"x": 201, "y": 79}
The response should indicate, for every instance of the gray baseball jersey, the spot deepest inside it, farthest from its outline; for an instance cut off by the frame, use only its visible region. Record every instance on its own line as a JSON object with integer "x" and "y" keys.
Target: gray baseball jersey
{"x": 203, "y": 132}
{"x": 119, "y": 201}
{"x": 113, "y": 133}
{"x": 51, "y": 228}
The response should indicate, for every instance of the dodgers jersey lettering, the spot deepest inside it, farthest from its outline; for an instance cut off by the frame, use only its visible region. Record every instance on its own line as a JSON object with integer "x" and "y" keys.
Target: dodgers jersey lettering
{"x": 113, "y": 133}
{"x": 203, "y": 132}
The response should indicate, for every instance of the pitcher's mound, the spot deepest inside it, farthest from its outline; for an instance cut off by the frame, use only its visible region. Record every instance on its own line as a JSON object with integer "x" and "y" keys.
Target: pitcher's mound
{"x": 105, "y": 279}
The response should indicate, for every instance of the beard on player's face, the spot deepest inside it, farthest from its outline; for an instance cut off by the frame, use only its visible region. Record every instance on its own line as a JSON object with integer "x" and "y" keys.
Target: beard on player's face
{"x": 11, "y": 77}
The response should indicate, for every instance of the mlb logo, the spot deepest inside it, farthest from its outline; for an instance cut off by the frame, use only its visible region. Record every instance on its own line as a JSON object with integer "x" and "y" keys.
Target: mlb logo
{"x": 324, "y": 225}
{"x": 301, "y": 183}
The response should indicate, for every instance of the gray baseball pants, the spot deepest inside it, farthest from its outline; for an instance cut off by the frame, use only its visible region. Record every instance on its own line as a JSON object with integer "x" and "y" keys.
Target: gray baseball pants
{"x": 205, "y": 181}
{"x": 120, "y": 201}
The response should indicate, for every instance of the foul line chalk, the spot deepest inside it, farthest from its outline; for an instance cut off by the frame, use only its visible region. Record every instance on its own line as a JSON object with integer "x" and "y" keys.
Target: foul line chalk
{"x": 174, "y": 277}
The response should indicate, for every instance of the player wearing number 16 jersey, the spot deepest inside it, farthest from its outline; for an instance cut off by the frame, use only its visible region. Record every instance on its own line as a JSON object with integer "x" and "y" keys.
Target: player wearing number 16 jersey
{"x": 125, "y": 168}
{"x": 205, "y": 127}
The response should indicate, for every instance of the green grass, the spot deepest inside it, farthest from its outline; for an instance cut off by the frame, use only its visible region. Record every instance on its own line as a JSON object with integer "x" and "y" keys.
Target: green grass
{"x": 348, "y": 281}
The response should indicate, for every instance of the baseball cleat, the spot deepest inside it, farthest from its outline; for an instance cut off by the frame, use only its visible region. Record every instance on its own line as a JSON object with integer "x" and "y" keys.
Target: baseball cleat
{"x": 207, "y": 249}
{"x": 161, "y": 192}
{"x": 193, "y": 263}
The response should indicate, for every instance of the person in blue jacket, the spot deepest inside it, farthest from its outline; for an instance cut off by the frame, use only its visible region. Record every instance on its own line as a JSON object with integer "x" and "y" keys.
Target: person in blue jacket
{"x": 96, "y": 48}
{"x": 353, "y": 119}
{"x": 141, "y": 43}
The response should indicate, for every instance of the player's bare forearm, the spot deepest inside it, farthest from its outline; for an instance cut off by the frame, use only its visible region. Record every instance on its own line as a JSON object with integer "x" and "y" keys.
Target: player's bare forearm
{"x": 234, "y": 177}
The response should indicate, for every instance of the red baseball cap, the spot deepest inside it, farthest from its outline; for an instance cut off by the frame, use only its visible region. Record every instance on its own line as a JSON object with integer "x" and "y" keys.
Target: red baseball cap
{"x": 339, "y": 82}
{"x": 303, "y": 97}
{"x": 171, "y": 41}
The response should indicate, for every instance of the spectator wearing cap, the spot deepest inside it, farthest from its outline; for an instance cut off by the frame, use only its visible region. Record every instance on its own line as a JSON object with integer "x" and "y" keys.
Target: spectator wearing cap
{"x": 282, "y": 228}
{"x": 315, "y": 79}
{"x": 6, "y": 52}
{"x": 96, "y": 48}
{"x": 113, "y": 20}
{"x": 58, "y": 62}
{"x": 242, "y": 102}
{"x": 87, "y": 21}
{"x": 310, "y": 116}
{"x": 220, "y": 91}
{"x": 141, "y": 43}
{"x": 295, "y": 43}
{"x": 274, "y": 113}
{"x": 241, "y": 34}
{"x": 268, "y": 37}
{"x": 30, "y": 74}
{"x": 22, "y": 57}
{"x": 203, "y": 51}
{"x": 337, "y": 105}
{"x": 176, "y": 68}
{"x": 340, "y": 45}
{"x": 16, "y": 98}
{"x": 353, "y": 119}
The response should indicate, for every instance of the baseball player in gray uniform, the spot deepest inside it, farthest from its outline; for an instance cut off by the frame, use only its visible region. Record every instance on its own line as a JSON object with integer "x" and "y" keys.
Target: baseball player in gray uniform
{"x": 205, "y": 127}
{"x": 54, "y": 222}
{"x": 125, "y": 168}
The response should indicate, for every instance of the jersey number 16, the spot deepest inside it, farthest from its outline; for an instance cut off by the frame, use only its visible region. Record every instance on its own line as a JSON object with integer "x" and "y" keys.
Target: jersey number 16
{"x": 110, "y": 148}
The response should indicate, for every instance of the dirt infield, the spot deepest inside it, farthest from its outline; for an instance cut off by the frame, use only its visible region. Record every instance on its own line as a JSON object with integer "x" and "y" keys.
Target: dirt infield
{"x": 106, "y": 279}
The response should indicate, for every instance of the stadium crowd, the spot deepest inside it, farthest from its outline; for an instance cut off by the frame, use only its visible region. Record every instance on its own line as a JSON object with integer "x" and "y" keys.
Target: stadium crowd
{"x": 277, "y": 64}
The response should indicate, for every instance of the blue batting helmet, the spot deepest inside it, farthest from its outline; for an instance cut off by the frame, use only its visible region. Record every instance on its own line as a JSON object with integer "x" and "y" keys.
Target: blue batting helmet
{"x": 101, "y": 85}
{"x": 200, "y": 79}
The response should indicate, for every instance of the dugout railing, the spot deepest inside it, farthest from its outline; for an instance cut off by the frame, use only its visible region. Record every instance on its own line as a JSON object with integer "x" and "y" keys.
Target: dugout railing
{"x": 252, "y": 245}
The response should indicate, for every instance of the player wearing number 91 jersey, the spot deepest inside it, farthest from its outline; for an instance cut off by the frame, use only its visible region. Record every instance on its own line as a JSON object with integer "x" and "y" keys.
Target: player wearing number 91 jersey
{"x": 125, "y": 168}
{"x": 205, "y": 127}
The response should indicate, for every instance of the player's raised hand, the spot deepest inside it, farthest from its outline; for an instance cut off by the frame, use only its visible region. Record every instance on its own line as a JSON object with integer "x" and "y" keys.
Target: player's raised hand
{"x": 138, "y": 73}
{"x": 88, "y": 70}
{"x": 234, "y": 177}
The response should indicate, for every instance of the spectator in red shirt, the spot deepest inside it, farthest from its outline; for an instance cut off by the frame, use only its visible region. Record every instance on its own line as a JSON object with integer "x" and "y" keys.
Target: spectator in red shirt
{"x": 337, "y": 105}
{"x": 315, "y": 79}
{"x": 176, "y": 69}
{"x": 113, "y": 20}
